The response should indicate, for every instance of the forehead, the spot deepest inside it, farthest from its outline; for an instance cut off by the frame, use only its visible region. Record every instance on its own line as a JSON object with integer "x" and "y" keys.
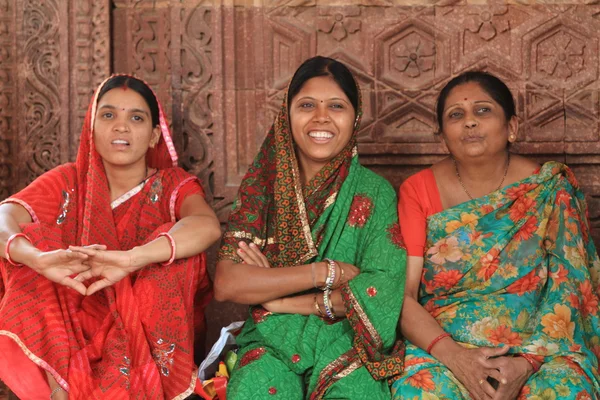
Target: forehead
{"x": 123, "y": 98}
{"x": 470, "y": 91}
{"x": 321, "y": 86}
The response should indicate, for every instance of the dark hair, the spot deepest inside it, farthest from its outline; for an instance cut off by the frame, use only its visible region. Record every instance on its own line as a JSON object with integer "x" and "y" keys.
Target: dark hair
{"x": 122, "y": 81}
{"x": 325, "y": 66}
{"x": 492, "y": 85}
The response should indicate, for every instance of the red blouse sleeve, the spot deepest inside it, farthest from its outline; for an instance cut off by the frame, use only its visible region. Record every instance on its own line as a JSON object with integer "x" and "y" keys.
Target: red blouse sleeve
{"x": 413, "y": 219}
{"x": 189, "y": 188}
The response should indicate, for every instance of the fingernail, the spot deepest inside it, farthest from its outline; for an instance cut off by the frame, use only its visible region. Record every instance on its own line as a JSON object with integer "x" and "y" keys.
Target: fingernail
{"x": 252, "y": 245}
{"x": 240, "y": 250}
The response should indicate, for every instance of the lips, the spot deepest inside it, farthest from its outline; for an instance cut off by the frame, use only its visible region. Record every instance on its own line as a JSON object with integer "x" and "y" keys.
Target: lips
{"x": 321, "y": 135}
{"x": 120, "y": 142}
{"x": 473, "y": 138}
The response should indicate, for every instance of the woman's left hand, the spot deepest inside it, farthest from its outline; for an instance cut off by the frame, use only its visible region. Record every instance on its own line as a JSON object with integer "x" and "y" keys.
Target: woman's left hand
{"x": 516, "y": 371}
{"x": 252, "y": 255}
{"x": 110, "y": 265}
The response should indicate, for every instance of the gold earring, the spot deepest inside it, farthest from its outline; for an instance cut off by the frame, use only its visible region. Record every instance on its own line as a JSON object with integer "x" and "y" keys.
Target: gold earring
{"x": 512, "y": 138}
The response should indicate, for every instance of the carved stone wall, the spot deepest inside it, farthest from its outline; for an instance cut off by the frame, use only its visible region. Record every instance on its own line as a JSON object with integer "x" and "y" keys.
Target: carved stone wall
{"x": 52, "y": 55}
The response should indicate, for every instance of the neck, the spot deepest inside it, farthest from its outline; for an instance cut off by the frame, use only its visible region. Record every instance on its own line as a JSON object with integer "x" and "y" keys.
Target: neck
{"x": 482, "y": 176}
{"x": 122, "y": 179}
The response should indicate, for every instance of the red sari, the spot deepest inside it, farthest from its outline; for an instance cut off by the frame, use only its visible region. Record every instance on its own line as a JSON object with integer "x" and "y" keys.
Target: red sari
{"x": 131, "y": 340}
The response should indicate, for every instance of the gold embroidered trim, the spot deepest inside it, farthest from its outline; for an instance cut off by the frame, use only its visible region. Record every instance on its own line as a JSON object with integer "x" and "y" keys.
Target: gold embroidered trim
{"x": 36, "y": 360}
{"x": 363, "y": 316}
{"x": 348, "y": 370}
{"x": 312, "y": 249}
{"x": 190, "y": 389}
{"x": 249, "y": 236}
{"x": 330, "y": 200}
{"x": 343, "y": 373}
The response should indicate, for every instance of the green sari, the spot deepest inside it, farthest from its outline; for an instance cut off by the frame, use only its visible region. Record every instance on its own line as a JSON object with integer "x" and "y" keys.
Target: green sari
{"x": 346, "y": 213}
{"x": 515, "y": 268}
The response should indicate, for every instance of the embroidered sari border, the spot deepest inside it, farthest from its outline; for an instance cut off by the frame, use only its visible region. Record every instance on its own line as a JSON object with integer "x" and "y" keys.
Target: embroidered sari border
{"x": 36, "y": 360}
{"x": 364, "y": 318}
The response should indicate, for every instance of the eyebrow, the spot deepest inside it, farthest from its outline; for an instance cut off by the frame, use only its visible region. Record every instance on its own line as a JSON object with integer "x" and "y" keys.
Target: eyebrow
{"x": 477, "y": 102}
{"x": 333, "y": 98}
{"x": 111, "y": 107}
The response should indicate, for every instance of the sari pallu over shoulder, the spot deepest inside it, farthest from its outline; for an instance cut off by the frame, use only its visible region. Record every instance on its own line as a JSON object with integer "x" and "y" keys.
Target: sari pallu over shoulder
{"x": 134, "y": 339}
{"x": 518, "y": 268}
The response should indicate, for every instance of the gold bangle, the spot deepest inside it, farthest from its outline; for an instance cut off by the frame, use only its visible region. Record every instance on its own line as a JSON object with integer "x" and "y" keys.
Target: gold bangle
{"x": 318, "y": 308}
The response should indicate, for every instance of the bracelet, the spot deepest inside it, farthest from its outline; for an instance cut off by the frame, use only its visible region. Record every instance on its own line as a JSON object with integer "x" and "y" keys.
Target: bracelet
{"x": 56, "y": 390}
{"x": 330, "y": 274}
{"x": 173, "y": 247}
{"x": 327, "y": 304}
{"x": 531, "y": 362}
{"x": 8, "y": 242}
{"x": 318, "y": 308}
{"x": 437, "y": 339}
{"x": 341, "y": 276}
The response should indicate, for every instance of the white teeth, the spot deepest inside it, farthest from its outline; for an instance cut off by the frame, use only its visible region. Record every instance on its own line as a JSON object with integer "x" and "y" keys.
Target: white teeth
{"x": 320, "y": 135}
{"x": 119, "y": 141}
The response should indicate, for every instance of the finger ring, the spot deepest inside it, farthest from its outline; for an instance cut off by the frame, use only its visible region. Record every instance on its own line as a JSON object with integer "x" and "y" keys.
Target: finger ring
{"x": 481, "y": 381}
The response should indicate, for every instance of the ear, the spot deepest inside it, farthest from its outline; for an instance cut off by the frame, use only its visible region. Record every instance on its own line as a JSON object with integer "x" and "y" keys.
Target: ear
{"x": 155, "y": 136}
{"x": 513, "y": 129}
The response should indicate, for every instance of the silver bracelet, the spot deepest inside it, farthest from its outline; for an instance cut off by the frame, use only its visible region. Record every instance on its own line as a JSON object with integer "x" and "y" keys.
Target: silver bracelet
{"x": 56, "y": 390}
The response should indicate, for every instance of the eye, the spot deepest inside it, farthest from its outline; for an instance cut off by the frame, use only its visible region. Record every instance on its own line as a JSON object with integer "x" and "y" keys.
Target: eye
{"x": 455, "y": 114}
{"x": 137, "y": 118}
{"x": 483, "y": 110}
{"x": 306, "y": 105}
{"x": 337, "y": 106}
{"x": 107, "y": 115}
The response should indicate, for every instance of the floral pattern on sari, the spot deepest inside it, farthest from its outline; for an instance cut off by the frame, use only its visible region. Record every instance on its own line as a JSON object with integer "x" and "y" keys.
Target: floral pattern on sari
{"x": 516, "y": 268}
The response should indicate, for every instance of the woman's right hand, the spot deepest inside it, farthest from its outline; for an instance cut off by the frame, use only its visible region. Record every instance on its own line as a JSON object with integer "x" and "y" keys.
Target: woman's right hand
{"x": 59, "y": 265}
{"x": 350, "y": 272}
{"x": 472, "y": 368}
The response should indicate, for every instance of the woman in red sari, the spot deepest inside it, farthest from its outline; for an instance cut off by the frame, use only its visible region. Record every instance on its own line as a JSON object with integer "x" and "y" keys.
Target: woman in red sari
{"x": 104, "y": 281}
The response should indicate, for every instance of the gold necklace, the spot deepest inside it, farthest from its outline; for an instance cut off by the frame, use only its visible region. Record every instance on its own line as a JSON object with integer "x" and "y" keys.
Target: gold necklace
{"x": 465, "y": 188}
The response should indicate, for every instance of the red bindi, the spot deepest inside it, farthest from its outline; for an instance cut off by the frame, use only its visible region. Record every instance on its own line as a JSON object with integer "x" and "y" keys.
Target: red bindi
{"x": 465, "y": 99}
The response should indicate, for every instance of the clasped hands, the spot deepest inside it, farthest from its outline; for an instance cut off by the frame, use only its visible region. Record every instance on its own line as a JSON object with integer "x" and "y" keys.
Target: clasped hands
{"x": 473, "y": 367}
{"x": 87, "y": 262}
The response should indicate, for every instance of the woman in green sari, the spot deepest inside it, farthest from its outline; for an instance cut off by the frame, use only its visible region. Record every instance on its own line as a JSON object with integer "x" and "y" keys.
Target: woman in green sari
{"x": 502, "y": 277}
{"x": 313, "y": 245}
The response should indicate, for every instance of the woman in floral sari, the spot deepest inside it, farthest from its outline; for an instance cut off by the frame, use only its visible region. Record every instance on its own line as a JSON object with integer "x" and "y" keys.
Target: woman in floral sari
{"x": 134, "y": 226}
{"x": 313, "y": 245}
{"x": 502, "y": 277}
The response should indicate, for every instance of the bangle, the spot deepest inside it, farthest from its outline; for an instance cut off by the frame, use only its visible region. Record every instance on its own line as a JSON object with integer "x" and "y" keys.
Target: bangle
{"x": 330, "y": 274}
{"x": 58, "y": 389}
{"x": 327, "y": 304}
{"x": 341, "y": 276}
{"x": 173, "y": 247}
{"x": 531, "y": 362}
{"x": 8, "y": 242}
{"x": 437, "y": 339}
{"x": 318, "y": 308}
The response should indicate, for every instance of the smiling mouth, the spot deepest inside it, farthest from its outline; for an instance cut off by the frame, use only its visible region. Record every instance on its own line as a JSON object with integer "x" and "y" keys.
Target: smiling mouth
{"x": 120, "y": 142}
{"x": 321, "y": 135}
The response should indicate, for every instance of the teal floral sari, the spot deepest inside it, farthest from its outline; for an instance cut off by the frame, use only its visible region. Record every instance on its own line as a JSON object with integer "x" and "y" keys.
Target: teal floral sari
{"x": 515, "y": 268}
